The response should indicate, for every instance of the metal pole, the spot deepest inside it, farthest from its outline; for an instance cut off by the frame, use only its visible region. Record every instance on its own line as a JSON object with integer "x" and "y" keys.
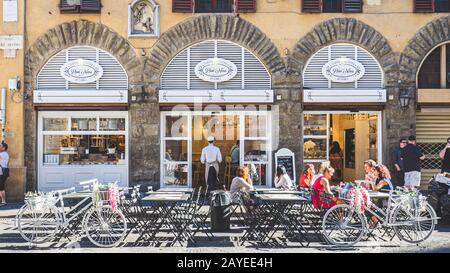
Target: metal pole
{"x": 3, "y": 113}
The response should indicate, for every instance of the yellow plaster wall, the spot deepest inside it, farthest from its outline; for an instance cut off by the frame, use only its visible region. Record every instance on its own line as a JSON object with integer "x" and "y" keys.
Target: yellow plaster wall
{"x": 10, "y": 68}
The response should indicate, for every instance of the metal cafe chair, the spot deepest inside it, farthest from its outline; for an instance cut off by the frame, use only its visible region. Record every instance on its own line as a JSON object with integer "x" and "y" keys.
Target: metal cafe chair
{"x": 201, "y": 215}
{"x": 314, "y": 216}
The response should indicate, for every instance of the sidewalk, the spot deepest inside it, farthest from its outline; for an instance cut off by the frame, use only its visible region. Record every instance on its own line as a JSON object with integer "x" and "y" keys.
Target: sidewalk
{"x": 10, "y": 210}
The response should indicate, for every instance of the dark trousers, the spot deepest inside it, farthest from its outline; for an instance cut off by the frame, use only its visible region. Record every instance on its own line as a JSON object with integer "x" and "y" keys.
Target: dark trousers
{"x": 399, "y": 178}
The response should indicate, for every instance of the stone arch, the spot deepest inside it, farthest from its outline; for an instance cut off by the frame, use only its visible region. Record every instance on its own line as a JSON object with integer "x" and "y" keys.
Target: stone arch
{"x": 347, "y": 30}
{"x": 428, "y": 37}
{"x": 212, "y": 26}
{"x": 81, "y": 32}
{"x": 60, "y": 37}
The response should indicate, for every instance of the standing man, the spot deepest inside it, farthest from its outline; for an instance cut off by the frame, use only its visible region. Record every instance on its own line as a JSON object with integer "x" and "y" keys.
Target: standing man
{"x": 4, "y": 174}
{"x": 211, "y": 157}
{"x": 398, "y": 163}
{"x": 445, "y": 156}
{"x": 412, "y": 156}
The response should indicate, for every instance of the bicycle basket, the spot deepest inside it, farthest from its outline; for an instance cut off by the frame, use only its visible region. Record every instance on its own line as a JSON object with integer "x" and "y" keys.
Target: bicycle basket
{"x": 40, "y": 202}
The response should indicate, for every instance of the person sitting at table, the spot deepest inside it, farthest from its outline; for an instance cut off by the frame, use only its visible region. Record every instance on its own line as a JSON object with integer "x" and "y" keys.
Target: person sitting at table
{"x": 319, "y": 173}
{"x": 323, "y": 184}
{"x": 307, "y": 177}
{"x": 383, "y": 181}
{"x": 369, "y": 168}
{"x": 241, "y": 183}
{"x": 282, "y": 179}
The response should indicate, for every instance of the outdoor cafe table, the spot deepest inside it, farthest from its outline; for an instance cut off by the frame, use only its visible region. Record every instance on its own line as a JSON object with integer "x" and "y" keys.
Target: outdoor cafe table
{"x": 275, "y": 191}
{"x": 164, "y": 205}
{"x": 274, "y": 212}
{"x": 182, "y": 190}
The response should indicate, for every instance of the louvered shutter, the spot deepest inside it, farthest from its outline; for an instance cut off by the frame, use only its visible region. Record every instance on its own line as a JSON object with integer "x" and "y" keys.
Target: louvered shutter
{"x": 90, "y": 6}
{"x": 65, "y": 7}
{"x": 246, "y": 5}
{"x": 352, "y": 6}
{"x": 311, "y": 5}
{"x": 185, "y": 6}
{"x": 423, "y": 5}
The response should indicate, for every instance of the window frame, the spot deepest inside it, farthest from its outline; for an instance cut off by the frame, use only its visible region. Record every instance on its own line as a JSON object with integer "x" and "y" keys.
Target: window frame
{"x": 77, "y": 8}
{"x": 231, "y": 4}
{"x": 320, "y": 4}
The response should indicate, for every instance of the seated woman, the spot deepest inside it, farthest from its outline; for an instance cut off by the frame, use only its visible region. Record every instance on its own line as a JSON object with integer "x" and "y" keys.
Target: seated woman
{"x": 369, "y": 168}
{"x": 241, "y": 183}
{"x": 383, "y": 181}
{"x": 323, "y": 184}
{"x": 282, "y": 179}
{"x": 307, "y": 177}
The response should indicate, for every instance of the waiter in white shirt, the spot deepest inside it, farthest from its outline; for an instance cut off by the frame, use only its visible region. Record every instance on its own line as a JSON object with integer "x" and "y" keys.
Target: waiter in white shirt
{"x": 211, "y": 157}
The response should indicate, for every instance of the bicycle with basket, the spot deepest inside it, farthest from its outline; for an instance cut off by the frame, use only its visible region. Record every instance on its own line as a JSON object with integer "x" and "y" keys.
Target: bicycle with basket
{"x": 406, "y": 213}
{"x": 45, "y": 218}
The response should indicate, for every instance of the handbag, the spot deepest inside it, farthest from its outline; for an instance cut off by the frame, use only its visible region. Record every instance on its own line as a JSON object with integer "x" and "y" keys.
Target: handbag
{"x": 5, "y": 172}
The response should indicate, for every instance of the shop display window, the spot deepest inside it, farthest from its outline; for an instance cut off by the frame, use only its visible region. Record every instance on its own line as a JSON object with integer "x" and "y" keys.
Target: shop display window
{"x": 91, "y": 141}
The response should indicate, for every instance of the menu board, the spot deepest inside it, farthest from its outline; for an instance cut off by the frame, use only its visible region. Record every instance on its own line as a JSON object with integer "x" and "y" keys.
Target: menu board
{"x": 285, "y": 157}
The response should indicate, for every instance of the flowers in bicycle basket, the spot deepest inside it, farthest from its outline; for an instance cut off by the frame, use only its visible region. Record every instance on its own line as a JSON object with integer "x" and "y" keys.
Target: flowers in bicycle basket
{"x": 38, "y": 200}
{"x": 105, "y": 193}
{"x": 414, "y": 200}
{"x": 359, "y": 198}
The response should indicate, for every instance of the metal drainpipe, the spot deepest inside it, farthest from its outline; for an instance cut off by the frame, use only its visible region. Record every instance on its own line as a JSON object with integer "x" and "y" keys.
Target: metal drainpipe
{"x": 3, "y": 113}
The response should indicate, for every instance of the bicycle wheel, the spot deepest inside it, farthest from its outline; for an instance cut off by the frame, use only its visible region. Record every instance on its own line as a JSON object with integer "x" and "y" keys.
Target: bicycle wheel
{"x": 104, "y": 227}
{"x": 414, "y": 226}
{"x": 38, "y": 226}
{"x": 342, "y": 226}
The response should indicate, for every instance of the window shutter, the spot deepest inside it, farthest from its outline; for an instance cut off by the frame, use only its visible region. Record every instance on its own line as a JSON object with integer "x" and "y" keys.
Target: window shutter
{"x": 423, "y": 5}
{"x": 65, "y": 7}
{"x": 352, "y": 6}
{"x": 311, "y": 5}
{"x": 185, "y": 6}
{"x": 91, "y": 6}
{"x": 245, "y": 5}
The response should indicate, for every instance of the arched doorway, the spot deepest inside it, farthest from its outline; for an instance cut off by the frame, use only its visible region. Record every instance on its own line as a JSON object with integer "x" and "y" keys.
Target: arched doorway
{"x": 215, "y": 88}
{"x": 76, "y": 145}
{"x": 343, "y": 100}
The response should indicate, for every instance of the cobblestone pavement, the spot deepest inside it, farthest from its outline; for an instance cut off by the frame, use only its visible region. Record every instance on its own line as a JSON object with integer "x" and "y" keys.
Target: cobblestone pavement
{"x": 11, "y": 241}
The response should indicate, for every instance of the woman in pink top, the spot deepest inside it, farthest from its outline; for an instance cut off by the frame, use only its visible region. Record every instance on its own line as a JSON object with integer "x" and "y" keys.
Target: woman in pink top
{"x": 323, "y": 184}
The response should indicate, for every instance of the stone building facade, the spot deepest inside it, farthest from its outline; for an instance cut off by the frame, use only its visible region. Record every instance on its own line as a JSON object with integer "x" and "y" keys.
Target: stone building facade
{"x": 278, "y": 34}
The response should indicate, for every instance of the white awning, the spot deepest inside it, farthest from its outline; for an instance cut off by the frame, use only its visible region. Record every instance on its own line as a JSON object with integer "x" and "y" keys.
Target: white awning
{"x": 215, "y": 96}
{"x": 80, "y": 96}
{"x": 340, "y": 96}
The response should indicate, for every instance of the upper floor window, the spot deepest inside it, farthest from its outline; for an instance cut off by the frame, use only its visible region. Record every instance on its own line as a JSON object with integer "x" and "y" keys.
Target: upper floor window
{"x": 143, "y": 18}
{"x": 332, "y": 5}
{"x": 213, "y": 6}
{"x": 80, "y": 6}
{"x": 434, "y": 72}
{"x": 431, "y": 5}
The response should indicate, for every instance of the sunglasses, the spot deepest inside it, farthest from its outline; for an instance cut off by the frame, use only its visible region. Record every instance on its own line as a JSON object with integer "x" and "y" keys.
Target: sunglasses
{"x": 404, "y": 142}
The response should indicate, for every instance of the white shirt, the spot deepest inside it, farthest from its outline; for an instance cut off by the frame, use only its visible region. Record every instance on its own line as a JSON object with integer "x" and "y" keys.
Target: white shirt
{"x": 237, "y": 185}
{"x": 4, "y": 159}
{"x": 211, "y": 154}
{"x": 284, "y": 182}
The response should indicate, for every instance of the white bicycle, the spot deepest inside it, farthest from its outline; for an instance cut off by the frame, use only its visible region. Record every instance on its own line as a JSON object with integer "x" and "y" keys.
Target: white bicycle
{"x": 407, "y": 213}
{"x": 44, "y": 219}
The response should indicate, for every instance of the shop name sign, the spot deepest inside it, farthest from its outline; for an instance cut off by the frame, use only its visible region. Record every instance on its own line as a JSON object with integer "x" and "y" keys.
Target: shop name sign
{"x": 216, "y": 70}
{"x": 343, "y": 70}
{"x": 81, "y": 71}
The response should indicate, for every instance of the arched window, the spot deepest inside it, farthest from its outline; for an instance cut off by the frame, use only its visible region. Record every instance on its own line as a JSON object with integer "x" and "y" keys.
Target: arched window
{"x": 434, "y": 73}
{"x": 216, "y": 71}
{"x": 143, "y": 16}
